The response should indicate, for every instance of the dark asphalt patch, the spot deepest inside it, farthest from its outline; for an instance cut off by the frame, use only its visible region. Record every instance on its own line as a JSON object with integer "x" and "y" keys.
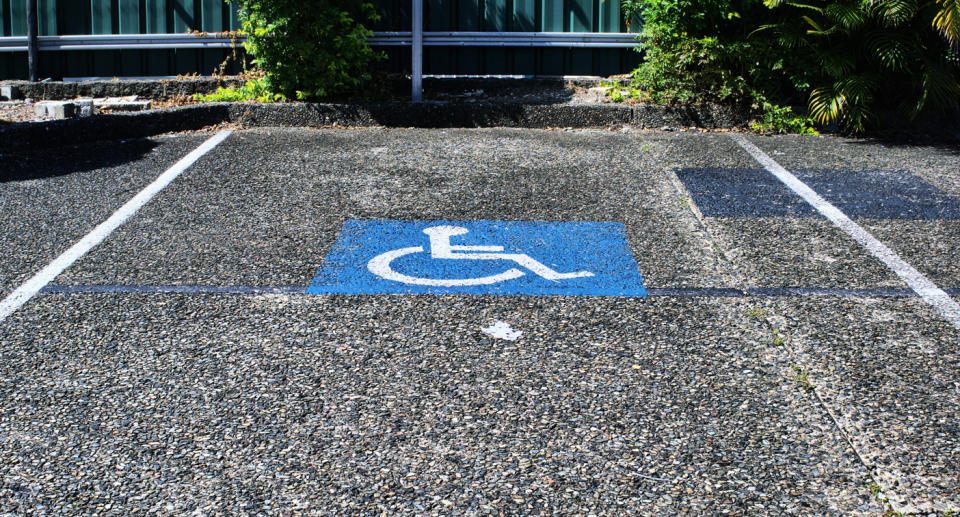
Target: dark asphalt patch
{"x": 721, "y": 192}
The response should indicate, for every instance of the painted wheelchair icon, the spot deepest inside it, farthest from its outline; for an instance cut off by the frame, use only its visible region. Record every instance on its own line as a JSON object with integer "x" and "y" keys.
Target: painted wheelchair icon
{"x": 440, "y": 248}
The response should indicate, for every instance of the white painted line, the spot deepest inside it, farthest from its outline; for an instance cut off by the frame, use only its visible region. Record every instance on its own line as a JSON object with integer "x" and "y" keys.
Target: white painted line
{"x": 915, "y": 279}
{"x": 32, "y": 286}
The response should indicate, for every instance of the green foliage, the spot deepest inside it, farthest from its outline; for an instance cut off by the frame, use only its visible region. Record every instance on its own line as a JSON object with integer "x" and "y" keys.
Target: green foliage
{"x": 871, "y": 59}
{"x": 252, "y": 91}
{"x": 310, "y": 50}
{"x": 781, "y": 120}
{"x": 855, "y": 63}
{"x": 802, "y": 377}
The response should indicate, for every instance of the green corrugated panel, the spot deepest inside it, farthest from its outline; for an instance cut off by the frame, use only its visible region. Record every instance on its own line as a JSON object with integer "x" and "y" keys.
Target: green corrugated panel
{"x": 581, "y": 15}
{"x": 211, "y": 15}
{"x": 469, "y": 15}
{"x": 129, "y": 16}
{"x": 74, "y": 17}
{"x": 469, "y": 60}
{"x": 183, "y": 15}
{"x": 18, "y": 18}
{"x": 551, "y": 59}
{"x": 524, "y": 20}
{"x": 552, "y": 16}
{"x": 46, "y": 17}
{"x": 3, "y": 29}
{"x": 101, "y": 17}
{"x": 156, "y": 16}
{"x": 495, "y": 18}
{"x": 441, "y": 16}
{"x": 131, "y": 63}
{"x": 524, "y": 15}
{"x": 495, "y": 15}
{"x": 235, "y": 24}
{"x": 609, "y": 16}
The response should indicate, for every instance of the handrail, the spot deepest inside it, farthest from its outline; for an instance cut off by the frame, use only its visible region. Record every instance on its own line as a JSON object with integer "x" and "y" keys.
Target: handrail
{"x": 432, "y": 39}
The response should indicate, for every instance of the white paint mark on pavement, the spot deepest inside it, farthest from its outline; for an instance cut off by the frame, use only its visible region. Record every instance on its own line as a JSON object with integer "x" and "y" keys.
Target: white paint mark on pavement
{"x": 927, "y": 290}
{"x": 502, "y": 330}
{"x": 32, "y": 286}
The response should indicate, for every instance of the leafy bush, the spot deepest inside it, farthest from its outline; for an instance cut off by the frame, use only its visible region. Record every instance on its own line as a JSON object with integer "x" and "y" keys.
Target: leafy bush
{"x": 871, "y": 58}
{"x": 858, "y": 63}
{"x": 309, "y": 50}
{"x": 701, "y": 50}
{"x": 781, "y": 119}
{"x": 251, "y": 91}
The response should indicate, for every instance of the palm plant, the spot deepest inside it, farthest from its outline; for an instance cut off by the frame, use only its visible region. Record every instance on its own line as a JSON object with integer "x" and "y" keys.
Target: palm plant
{"x": 860, "y": 57}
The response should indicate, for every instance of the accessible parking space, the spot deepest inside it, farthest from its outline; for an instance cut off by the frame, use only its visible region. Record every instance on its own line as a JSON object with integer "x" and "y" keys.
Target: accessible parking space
{"x": 265, "y": 207}
{"x": 483, "y": 322}
{"x": 50, "y": 200}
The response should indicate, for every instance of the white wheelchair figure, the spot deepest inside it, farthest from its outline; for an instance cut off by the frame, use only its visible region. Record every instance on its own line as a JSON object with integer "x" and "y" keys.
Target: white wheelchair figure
{"x": 440, "y": 248}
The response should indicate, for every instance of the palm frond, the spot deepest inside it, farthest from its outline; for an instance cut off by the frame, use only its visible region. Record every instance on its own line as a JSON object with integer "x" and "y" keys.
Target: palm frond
{"x": 947, "y": 20}
{"x": 939, "y": 87}
{"x": 892, "y": 49}
{"x": 893, "y": 13}
{"x": 848, "y": 16}
{"x": 826, "y": 104}
{"x": 836, "y": 62}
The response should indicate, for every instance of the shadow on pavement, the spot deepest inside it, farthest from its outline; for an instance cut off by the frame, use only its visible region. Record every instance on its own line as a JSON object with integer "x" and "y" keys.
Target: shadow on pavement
{"x": 45, "y": 163}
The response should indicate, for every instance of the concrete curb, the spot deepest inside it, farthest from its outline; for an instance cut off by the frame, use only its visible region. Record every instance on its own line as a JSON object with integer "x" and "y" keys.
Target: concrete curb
{"x": 35, "y": 135}
{"x": 146, "y": 89}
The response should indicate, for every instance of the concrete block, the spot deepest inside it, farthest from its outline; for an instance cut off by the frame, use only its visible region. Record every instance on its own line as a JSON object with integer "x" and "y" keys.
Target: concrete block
{"x": 8, "y": 92}
{"x": 55, "y": 109}
{"x": 85, "y": 107}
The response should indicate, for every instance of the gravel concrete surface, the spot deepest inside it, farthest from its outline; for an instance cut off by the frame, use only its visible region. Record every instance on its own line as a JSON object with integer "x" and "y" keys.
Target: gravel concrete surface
{"x": 694, "y": 401}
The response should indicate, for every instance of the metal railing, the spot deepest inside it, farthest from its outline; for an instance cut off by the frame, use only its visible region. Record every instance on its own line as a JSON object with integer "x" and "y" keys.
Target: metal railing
{"x": 417, "y": 39}
{"x": 380, "y": 39}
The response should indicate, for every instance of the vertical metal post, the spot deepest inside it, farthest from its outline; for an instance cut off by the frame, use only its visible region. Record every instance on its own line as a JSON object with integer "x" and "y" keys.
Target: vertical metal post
{"x": 32, "y": 47}
{"x": 416, "y": 94}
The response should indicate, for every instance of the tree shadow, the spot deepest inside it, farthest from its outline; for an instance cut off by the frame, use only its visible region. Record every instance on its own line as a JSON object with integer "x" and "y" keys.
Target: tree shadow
{"x": 30, "y": 164}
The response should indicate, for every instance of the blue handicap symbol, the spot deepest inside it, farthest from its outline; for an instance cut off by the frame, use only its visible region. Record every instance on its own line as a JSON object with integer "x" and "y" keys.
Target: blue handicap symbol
{"x": 572, "y": 258}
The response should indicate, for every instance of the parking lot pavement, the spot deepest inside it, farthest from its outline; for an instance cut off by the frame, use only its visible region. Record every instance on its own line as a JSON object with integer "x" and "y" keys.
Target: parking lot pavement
{"x": 48, "y": 201}
{"x": 913, "y": 200}
{"x": 175, "y": 403}
{"x": 776, "y": 367}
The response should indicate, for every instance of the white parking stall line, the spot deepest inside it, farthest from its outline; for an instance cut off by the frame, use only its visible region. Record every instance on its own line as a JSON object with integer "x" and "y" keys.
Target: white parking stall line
{"x": 920, "y": 284}
{"x": 32, "y": 286}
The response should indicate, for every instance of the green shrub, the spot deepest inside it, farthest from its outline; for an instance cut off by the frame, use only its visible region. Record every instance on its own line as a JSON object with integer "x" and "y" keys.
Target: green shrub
{"x": 856, "y": 63}
{"x": 252, "y": 91}
{"x": 700, "y": 50}
{"x": 781, "y": 119}
{"x": 309, "y": 50}
{"x": 868, "y": 60}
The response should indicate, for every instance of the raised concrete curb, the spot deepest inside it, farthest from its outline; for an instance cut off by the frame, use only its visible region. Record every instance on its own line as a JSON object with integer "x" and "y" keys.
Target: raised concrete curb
{"x": 55, "y": 133}
{"x": 166, "y": 89}
{"x": 146, "y": 89}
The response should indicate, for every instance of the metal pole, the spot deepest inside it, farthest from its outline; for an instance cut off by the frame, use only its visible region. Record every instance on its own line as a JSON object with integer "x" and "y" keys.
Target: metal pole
{"x": 32, "y": 47}
{"x": 416, "y": 94}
